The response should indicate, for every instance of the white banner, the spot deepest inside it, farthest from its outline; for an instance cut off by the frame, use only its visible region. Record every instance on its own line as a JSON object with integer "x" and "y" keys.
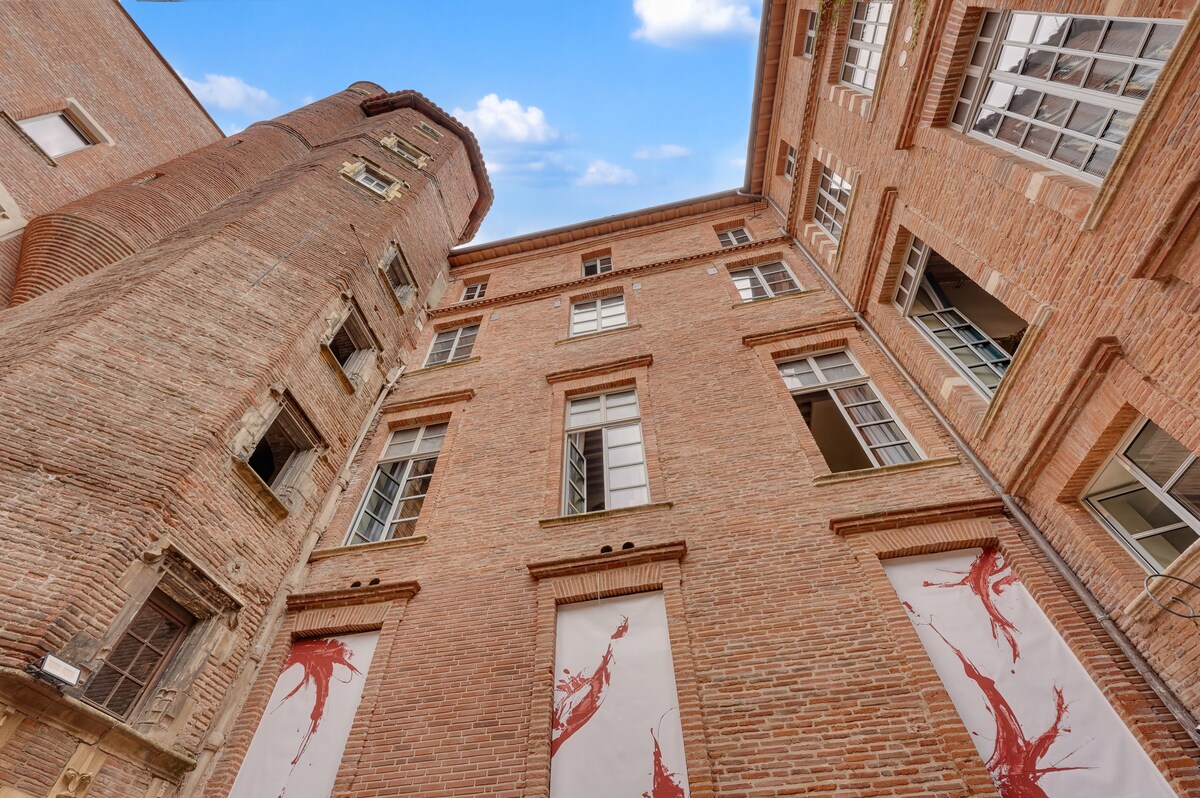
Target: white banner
{"x": 615, "y": 726}
{"x": 298, "y": 744}
{"x": 1041, "y": 725}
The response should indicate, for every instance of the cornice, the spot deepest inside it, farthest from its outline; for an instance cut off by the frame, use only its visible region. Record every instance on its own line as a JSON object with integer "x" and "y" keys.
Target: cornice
{"x": 916, "y": 516}
{"x": 598, "y": 279}
{"x": 787, "y": 333}
{"x": 570, "y": 566}
{"x": 372, "y": 594}
{"x": 433, "y": 400}
{"x": 600, "y": 369}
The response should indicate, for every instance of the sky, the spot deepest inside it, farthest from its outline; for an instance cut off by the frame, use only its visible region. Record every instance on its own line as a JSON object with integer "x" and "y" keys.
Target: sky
{"x": 583, "y": 108}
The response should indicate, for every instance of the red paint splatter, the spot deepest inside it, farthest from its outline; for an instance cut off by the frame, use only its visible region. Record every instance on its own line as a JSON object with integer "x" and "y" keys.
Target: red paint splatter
{"x": 318, "y": 657}
{"x": 664, "y": 784}
{"x": 582, "y": 695}
{"x": 1014, "y": 763}
{"x": 979, "y": 578}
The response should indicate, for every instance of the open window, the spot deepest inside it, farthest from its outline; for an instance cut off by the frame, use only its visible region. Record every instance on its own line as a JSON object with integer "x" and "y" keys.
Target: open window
{"x": 351, "y": 346}
{"x": 1148, "y": 495}
{"x": 851, "y": 424}
{"x": 605, "y": 464}
{"x": 1060, "y": 89}
{"x": 972, "y": 329}
{"x": 399, "y": 486}
{"x": 395, "y": 273}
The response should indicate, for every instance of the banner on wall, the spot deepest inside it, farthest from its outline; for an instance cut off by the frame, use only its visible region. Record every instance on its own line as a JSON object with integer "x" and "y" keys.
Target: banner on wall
{"x": 1040, "y": 724}
{"x": 615, "y": 727}
{"x": 298, "y": 744}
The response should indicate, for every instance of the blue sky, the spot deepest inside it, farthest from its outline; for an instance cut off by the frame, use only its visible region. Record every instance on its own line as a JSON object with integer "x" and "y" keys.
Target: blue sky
{"x": 582, "y": 108}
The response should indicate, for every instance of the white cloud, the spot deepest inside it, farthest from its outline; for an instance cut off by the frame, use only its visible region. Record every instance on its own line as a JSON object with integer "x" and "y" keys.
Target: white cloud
{"x": 231, "y": 94}
{"x": 507, "y": 120}
{"x": 660, "y": 151}
{"x": 603, "y": 173}
{"x": 675, "y": 22}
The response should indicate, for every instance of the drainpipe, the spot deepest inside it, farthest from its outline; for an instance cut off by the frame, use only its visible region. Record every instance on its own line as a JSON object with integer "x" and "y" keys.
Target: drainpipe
{"x": 1177, "y": 708}
{"x": 215, "y": 739}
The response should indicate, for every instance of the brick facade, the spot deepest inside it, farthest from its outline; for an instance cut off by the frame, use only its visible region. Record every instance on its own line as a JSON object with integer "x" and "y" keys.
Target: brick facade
{"x": 138, "y": 379}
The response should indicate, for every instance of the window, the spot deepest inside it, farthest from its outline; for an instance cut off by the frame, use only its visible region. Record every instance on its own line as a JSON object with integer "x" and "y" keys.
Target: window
{"x": 764, "y": 281}
{"x": 973, "y": 330}
{"x": 407, "y": 150}
{"x": 789, "y": 162}
{"x": 123, "y": 679}
{"x": 833, "y": 195}
{"x": 450, "y": 346}
{"x": 474, "y": 291}
{"x": 351, "y": 345}
{"x": 599, "y": 265}
{"x": 398, "y": 275}
{"x": 605, "y": 462}
{"x": 1061, "y": 89}
{"x": 55, "y": 134}
{"x": 733, "y": 237}
{"x": 810, "y": 34}
{"x": 281, "y": 447}
{"x": 398, "y": 489}
{"x": 374, "y": 180}
{"x": 597, "y": 315}
{"x": 864, "y": 43}
{"x": 1149, "y": 495}
{"x": 429, "y": 130}
{"x": 852, "y": 426}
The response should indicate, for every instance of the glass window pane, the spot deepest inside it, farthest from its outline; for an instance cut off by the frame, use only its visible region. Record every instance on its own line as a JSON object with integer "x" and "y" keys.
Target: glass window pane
{"x": 1187, "y": 489}
{"x": 620, "y": 436}
{"x": 1164, "y": 549}
{"x": 1084, "y": 33}
{"x": 891, "y": 455}
{"x": 1161, "y": 40}
{"x": 886, "y": 432}
{"x": 1141, "y": 82}
{"x": 1050, "y": 29}
{"x": 629, "y": 497}
{"x": 837, "y": 366}
{"x": 1156, "y": 453}
{"x": 54, "y": 134}
{"x": 1139, "y": 511}
{"x": 626, "y": 476}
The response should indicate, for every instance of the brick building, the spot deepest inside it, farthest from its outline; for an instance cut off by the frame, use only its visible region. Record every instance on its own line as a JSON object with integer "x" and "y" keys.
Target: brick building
{"x": 886, "y": 458}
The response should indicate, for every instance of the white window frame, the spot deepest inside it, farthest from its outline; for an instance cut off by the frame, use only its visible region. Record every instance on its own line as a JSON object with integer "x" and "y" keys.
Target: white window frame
{"x": 605, "y": 425}
{"x": 414, "y": 456}
{"x": 810, "y": 34}
{"x": 374, "y": 180}
{"x": 828, "y": 211}
{"x": 606, "y": 313}
{"x": 830, "y": 385}
{"x": 734, "y": 236}
{"x": 600, "y": 265}
{"x": 473, "y": 291}
{"x": 983, "y": 72}
{"x": 970, "y": 336}
{"x": 789, "y": 162}
{"x": 868, "y": 30}
{"x": 1092, "y": 499}
{"x": 74, "y": 126}
{"x": 757, "y": 278}
{"x": 458, "y": 349}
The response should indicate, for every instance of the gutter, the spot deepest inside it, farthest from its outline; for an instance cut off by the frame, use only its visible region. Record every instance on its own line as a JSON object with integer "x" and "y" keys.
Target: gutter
{"x": 756, "y": 104}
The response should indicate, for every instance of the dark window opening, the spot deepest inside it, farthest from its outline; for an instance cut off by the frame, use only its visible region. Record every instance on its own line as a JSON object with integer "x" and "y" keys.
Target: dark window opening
{"x": 282, "y": 441}
{"x": 839, "y": 447}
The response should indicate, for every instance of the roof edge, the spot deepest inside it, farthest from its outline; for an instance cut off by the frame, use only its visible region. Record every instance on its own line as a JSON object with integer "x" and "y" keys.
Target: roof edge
{"x": 409, "y": 98}
{"x": 578, "y": 231}
{"x": 178, "y": 78}
{"x": 770, "y": 42}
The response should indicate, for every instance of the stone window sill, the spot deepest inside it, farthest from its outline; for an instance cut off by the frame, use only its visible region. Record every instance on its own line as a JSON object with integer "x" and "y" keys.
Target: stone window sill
{"x": 440, "y": 366}
{"x": 757, "y": 302}
{"x": 115, "y": 734}
{"x": 899, "y": 468}
{"x": 565, "y": 520}
{"x": 601, "y": 334}
{"x": 260, "y": 489}
{"x": 354, "y": 548}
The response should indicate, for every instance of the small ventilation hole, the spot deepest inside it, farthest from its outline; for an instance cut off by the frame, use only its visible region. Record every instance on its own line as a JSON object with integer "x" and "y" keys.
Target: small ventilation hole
{"x": 374, "y": 581}
{"x": 356, "y": 584}
{"x": 605, "y": 549}
{"x": 626, "y": 545}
